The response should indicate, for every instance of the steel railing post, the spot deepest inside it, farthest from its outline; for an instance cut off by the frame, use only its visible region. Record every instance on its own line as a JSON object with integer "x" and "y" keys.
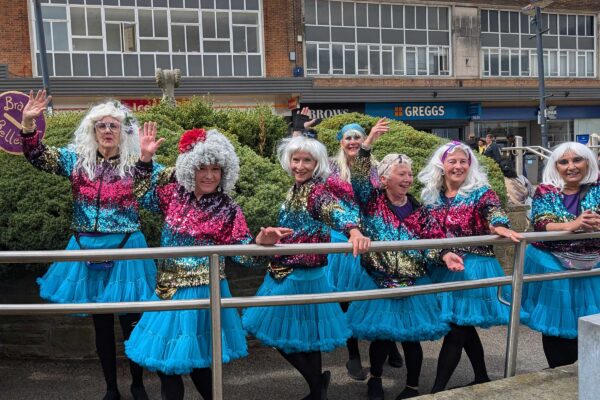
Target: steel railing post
{"x": 215, "y": 319}
{"x": 512, "y": 339}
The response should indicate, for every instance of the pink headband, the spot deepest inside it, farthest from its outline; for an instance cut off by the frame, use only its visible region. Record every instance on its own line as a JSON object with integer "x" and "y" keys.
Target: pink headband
{"x": 451, "y": 146}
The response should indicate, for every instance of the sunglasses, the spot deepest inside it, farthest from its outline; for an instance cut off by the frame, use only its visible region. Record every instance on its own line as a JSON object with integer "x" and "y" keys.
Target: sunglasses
{"x": 103, "y": 126}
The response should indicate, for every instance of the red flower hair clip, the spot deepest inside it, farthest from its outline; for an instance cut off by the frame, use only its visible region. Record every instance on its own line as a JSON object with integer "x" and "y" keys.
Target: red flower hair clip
{"x": 190, "y": 138}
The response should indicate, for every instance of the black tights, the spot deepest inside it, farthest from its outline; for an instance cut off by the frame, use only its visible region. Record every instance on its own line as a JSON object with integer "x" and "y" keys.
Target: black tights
{"x": 413, "y": 353}
{"x": 104, "y": 326}
{"x": 309, "y": 366}
{"x": 171, "y": 386}
{"x": 458, "y": 338}
{"x": 559, "y": 351}
{"x": 352, "y": 342}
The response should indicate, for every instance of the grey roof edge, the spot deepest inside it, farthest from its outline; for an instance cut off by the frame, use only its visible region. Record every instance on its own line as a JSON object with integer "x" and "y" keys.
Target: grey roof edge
{"x": 148, "y": 86}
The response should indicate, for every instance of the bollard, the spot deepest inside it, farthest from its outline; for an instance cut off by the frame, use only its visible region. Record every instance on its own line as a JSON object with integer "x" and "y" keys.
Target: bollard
{"x": 520, "y": 155}
{"x": 589, "y": 354}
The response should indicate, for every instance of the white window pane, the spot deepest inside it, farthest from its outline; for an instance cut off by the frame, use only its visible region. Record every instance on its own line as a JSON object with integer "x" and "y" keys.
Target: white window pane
{"x": 324, "y": 61}
{"x": 398, "y": 61}
{"x": 386, "y": 63}
{"x": 580, "y": 64}
{"x": 323, "y": 12}
{"x": 361, "y": 14}
{"x": 434, "y": 62}
{"x": 216, "y": 46}
{"x": 252, "y": 37}
{"x": 572, "y": 64}
{"x": 337, "y": 58}
{"x": 184, "y": 16}
{"x": 119, "y": 14}
{"x": 60, "y": 37}
{"x": 54, "y": 13}
{"x": 310, "y": 15}
{"x": 178, "y": 38}
{"x": 336, "y": 13}
{"x": 113, "y": 37}
{"x": 348, "y": 13}
{"x": 94, "y": 22}
{"x": 87, "y": 45}
{"x": 209, "y": 29}
{"x": 349, "y": 61}
{"x": 244, "y": 18}
{"x": 373, "y": 13}
{"x": 311, "y": 56}
{"x": 47, "y": 35}
{"x": 222, "y": 25}
{"x": 78, "y": 21}
{"x": 146, "y": 29}
{"x": 193, "y": 38}
{"x": 485, "y": 54}
{"x": 589, "y": 64}
{"x": 525, "y": 62}
{"x": 422, "y": 60}
{"x": 363, "y": 60}
{"x": 239, "y": 39}
{"x": 154, "y": 45}
{"x": 161, "y": 28}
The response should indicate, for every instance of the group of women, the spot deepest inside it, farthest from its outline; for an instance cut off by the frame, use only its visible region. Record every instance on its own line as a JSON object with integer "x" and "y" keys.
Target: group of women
{"x": 351, "y": 198}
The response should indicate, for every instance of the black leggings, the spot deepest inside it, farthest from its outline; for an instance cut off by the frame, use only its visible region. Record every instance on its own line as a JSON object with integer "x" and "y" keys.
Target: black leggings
{"x": 413, "y": 353}
{"x": 171, "y": 386}
{"x": 352, "y": 342}
{"x": 559, "y": 351}
{"x": 459, "y": 338}
{"x": 309, "y": 366}
{"x": 104, "y": 325}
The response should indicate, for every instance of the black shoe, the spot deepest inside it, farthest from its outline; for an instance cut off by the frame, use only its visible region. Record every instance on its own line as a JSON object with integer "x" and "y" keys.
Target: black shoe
{"x": 325, "y": 379}
{"x": 112, "y": 395}
{"x": 374, "y": 389}
{"x": 407, "y": 393}
{"x": 394, "y": 358}
{"x": 355, "y": 369}
{"x": 139, "y": 392}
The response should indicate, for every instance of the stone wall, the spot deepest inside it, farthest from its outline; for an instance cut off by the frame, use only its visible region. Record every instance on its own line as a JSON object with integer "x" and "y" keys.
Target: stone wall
{"x": 518, "y": 220}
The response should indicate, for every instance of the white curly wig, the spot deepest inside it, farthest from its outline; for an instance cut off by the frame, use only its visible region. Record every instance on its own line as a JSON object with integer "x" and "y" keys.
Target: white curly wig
{"x": 552, "y": 176}
{"x": 85, "y": 145}
{"x": 432, "y": 176}
{"x": 213, "y": 149}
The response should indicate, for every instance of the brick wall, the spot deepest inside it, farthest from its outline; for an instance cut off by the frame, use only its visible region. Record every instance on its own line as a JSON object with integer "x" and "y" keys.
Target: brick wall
{"x": 14, "y": 45}
{"x": 280, "y": 31}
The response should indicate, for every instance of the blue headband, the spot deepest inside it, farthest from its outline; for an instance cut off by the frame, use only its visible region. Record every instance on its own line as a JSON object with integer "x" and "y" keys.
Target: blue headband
{"x": 350, "y": 127}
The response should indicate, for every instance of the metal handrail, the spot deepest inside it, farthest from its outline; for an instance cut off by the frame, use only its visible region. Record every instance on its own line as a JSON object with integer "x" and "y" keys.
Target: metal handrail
{"x": 216, "y": 303}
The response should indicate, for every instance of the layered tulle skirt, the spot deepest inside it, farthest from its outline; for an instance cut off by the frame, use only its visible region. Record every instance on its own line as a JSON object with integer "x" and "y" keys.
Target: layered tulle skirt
{"x": 298, "y": 328}
{"x": 175, "y": 342}
{"x": 343, "y": 269}
{"x": 553, "y": 307}
{"x": 74, "y": 282}
{"x": 413, "y": 318}
{"x": 473, "y": 307}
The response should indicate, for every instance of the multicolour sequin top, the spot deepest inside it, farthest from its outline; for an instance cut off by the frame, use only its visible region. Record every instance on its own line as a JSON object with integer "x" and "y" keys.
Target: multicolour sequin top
{"x": 103, "y": 204}
{"x": 311, "y": 209}
{"x": 379, "y": 222}
{"x": 342, "y": 189}
{"x": 460, "y": 216}
{"x": 548, "y": 207}
{"x": 213, "y": 219}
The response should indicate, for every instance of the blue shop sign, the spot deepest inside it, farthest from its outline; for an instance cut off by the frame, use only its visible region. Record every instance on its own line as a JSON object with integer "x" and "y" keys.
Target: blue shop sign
{"x": 530, "y": 113}
{"x": 420, "y": 111}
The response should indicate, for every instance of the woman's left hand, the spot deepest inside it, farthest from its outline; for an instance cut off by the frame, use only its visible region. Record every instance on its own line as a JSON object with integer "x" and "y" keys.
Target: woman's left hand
{"x": 272, "y": 235}
{"x": 360, "y": 243}
{"x": 507, "y": 233}
{"x": 148, "y": 143}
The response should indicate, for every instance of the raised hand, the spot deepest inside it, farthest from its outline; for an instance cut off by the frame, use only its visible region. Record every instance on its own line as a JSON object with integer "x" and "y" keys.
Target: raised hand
{"x": 377, "y": 131}
{"x": 148, "y": 143}
{"x": 306, "y": 112}
{"x": 35, "y": 107}
{"x": 454, "y": 262}
{"x": 272, "y": 235}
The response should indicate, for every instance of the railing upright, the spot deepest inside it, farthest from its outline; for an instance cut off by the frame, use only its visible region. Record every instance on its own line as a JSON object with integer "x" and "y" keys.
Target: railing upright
{"x": 512, "y": 338}
{"x": 215, "y": 324}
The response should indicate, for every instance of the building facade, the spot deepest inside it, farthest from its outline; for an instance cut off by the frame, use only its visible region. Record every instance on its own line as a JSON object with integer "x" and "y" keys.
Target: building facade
{"x": 451, "y": 68}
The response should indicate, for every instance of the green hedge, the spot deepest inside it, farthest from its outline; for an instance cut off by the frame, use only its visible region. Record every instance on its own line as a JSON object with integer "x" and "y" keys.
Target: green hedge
{"x": 402, "y": 138}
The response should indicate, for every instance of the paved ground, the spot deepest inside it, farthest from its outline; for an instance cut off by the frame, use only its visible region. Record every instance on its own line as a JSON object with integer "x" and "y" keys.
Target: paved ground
{"x": 263, "y": 375}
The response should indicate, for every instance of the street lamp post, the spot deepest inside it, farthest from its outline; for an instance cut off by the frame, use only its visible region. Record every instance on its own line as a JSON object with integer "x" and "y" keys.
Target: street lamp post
{"x": 534, "y": 9}
{"x": 42, "y": 46}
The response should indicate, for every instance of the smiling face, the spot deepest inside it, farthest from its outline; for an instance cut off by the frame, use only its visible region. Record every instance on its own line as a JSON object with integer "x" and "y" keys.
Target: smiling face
{"x": 398, "y": 182}
{"x": 572, "y": 168}
{"x": 207, "y": 179}
{"x": 303, "y": 166}
{"x": 108, "y": 134}
{"x": 351, "y": 142}
{"x": 456, "y": 168}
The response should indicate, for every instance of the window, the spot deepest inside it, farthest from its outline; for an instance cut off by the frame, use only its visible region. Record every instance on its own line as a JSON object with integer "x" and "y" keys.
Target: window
{"x": 134, "y": 37}
{"x": 569, "y": 49}
{"x": 376, "y": 39}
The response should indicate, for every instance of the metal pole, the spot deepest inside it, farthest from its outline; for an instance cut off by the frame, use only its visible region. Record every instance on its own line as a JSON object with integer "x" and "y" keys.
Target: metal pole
{"x": 594, "y": 142}
{"x": 215, "y": 319}
{"x": 542, "y": 120}
{"x": 512, "y": 339}
{"x": 39, "y": 22}
{"x": 519, "y": 156}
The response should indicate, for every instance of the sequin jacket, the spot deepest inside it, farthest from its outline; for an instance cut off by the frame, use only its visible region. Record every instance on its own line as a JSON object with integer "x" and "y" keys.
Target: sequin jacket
{"x": 311, "y": 209}
{"x": 342, "y": 189}
{"x": 548, "y": 207}
{"x": 214, "y": 219}
{"x": 379, "y": 222}
{"x": 103, "y": 204}
{"x": 462, "y": 216}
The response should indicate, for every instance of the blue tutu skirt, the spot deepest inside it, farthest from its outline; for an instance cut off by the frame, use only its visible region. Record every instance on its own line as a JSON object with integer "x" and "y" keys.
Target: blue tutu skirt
{"x": 343, "y": 269}
{"x": 473, "y": 307}
{"x": 176, "y": 342}
{"x": 298, "y": 328}
{"x": 411, "y": 319}
{"x": 554, "y": 306}
{"x": 74, "y": 282}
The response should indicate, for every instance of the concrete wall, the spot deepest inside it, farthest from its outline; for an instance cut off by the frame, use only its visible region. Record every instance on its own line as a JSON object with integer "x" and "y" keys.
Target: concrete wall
{"x": 466, "y": 33}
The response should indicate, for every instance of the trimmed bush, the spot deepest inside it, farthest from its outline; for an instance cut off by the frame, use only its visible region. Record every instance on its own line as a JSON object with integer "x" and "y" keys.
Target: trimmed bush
{"x": 402, "y": 138}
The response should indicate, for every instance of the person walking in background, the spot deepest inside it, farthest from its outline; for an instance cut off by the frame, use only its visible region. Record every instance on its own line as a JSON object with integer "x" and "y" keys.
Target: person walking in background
{"x": 472, "y": 141}
{"x": 481, "y": 145}
{"x": 99, "y": 163}
{"x": 492, "y": 149}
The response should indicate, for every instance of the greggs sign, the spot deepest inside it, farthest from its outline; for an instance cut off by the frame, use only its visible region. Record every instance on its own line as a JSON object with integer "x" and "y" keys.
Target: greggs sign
{"x": 419, "y": 111}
